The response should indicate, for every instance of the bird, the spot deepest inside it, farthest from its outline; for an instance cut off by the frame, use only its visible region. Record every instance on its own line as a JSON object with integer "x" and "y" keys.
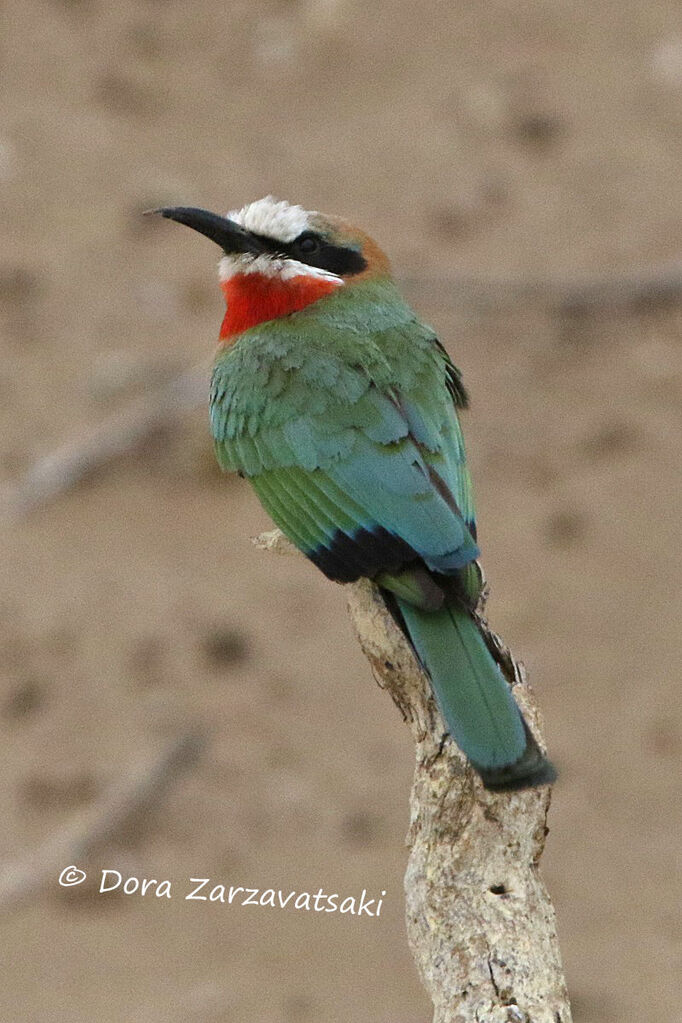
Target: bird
{"x": 342, "y": 410}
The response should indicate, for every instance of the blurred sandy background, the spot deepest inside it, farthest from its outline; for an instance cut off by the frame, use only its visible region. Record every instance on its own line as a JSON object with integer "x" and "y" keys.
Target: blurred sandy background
{"x": 506, "y": 155}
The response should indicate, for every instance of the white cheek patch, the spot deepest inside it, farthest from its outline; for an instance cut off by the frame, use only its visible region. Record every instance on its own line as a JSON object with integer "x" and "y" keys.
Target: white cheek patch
{"x": 271, "y": 266}
{"x": 274, "y": 219}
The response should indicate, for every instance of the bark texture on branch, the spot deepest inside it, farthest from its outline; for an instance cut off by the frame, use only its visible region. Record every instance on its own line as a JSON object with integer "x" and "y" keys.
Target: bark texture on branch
{"x": 480, "y": 922}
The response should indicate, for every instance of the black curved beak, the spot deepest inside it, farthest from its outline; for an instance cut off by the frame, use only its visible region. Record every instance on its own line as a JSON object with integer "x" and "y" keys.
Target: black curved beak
{"x": 224, "y": 232}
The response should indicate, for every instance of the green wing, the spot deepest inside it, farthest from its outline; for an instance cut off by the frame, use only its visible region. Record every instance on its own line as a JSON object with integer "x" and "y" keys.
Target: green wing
{"x": 364, "y": 471}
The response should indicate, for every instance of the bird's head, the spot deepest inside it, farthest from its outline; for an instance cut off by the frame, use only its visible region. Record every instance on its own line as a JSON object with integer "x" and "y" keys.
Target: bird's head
{"x": 279, "y": 258}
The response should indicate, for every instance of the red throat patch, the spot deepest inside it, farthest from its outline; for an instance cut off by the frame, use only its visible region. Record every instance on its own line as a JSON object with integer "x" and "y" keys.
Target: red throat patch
{"x": 254, "y": 298}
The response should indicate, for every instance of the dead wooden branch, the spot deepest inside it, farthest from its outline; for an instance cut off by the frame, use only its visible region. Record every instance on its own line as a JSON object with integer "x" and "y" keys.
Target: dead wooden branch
{"x": 480, "y": 922}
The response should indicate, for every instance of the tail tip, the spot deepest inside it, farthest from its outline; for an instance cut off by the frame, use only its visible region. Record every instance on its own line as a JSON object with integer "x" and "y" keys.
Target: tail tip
{"x": 515, "y": 777}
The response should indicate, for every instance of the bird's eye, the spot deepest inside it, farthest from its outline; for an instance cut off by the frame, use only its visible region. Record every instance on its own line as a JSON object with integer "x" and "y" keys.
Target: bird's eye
{"x": 308, "y": 245}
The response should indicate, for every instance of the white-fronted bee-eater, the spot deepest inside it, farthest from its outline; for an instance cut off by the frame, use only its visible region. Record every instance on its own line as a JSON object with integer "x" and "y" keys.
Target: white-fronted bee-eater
{"x": 342, "y": 409}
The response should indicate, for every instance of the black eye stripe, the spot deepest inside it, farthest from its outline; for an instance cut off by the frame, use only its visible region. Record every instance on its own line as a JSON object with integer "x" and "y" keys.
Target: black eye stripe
{"x": 336, "y": 258}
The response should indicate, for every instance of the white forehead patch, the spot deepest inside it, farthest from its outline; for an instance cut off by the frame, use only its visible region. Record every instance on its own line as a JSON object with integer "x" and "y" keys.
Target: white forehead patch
{"x": 278, "y": 220}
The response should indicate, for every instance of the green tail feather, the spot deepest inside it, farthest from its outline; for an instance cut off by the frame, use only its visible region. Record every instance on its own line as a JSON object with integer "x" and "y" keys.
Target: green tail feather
{"x": 475, "y": 699}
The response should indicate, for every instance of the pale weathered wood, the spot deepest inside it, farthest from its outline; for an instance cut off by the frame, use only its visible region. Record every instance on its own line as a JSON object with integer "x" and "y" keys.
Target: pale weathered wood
{"x": 480, "y": 922}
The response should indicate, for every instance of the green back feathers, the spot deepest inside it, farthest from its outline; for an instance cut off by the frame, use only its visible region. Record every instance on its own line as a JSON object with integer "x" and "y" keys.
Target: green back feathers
{"x": 344, "y": 417}
{"x": 367, "y": 409}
